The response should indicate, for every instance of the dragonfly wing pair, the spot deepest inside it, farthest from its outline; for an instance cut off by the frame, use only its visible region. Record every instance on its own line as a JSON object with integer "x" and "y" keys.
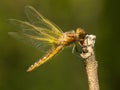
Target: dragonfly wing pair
{"x": 41, "y": 32}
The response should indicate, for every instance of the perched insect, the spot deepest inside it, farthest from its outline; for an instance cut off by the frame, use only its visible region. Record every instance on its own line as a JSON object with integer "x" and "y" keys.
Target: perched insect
{"x": 42, "y": 32}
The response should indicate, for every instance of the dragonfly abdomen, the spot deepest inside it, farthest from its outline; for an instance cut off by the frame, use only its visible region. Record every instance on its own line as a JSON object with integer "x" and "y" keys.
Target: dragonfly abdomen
{"x": 48, "y": 56}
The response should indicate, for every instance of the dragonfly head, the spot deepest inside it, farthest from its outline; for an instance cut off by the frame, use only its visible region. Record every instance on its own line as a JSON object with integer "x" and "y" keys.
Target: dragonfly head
{"x": 80, "y": 34}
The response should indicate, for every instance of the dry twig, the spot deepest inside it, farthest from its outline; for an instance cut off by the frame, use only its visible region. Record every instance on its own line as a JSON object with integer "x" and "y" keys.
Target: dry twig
{"x": 90, "y": 62}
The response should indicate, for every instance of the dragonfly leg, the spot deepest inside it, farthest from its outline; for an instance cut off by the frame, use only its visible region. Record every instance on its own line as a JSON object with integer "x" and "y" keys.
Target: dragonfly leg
{"x": 76, "y": 51}
{"x": 83, "y": 48}
{"x": 80, "y": 44}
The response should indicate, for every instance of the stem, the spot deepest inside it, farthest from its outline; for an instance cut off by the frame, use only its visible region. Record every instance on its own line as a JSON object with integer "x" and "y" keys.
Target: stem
{"x": 90, "y": 62}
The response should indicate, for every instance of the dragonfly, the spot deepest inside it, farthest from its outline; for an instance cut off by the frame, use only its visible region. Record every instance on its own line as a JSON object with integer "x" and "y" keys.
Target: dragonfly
{"x": 42, "y": 33}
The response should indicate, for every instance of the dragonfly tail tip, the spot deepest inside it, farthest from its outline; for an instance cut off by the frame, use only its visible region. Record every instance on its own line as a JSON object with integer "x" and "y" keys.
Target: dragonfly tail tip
{"x": 29, "y": 70}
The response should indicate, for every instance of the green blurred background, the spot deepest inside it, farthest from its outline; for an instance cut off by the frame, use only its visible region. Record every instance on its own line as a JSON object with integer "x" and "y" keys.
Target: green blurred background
{"x": 65, "y": 71}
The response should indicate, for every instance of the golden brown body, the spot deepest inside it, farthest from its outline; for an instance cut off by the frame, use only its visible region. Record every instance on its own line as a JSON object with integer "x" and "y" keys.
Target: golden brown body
{"x": 67, "y": 39}
{"x": 42, "y": 32}
{"x": 49, "y": 55}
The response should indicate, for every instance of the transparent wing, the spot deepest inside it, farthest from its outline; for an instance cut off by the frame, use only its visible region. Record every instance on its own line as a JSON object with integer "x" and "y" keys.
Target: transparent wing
{"x": 37, "y": 36}
{"x": 38, "y": 20}
{"x": 40, "y": 31}
{"x": 37, "y": 42}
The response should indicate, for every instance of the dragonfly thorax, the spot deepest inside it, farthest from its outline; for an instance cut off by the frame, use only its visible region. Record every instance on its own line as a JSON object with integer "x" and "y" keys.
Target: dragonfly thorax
{"x": 68, "y": 38}
{"x": 72, "y": 37}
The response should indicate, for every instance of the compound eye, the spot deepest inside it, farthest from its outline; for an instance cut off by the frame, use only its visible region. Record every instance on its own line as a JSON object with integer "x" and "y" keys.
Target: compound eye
{"x": 78, "y": 30}
{"x": 81, "y": 33}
